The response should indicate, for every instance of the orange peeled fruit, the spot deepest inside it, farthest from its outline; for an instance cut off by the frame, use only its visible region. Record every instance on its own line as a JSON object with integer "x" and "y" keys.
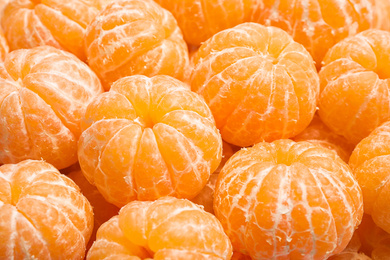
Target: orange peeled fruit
{"x": 355, "y": 83}
{"x": 43, "y": 214}
{"x": 147, "y": 138}
{"x": 44, "y": 92}
{"x": 259, "y": 83}
{"x": 199, "y": 19}
{"x": 135, "y": 37}
{"x": 352, "y": 251}
{"x": 318, "y": 133}
{"x": 168, "y": 228}
{"x": 4, "y": 48}
{"x": 320, "y": 24}
{"x": 288, "y": 200}
{"x": 370, "y": 162}
{"x": 102, "y": 210}
{"x": 61, "y": 24}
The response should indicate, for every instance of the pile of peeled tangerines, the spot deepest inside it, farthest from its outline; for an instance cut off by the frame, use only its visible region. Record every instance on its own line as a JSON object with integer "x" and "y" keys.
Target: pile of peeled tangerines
{"x": 197, "y": 129}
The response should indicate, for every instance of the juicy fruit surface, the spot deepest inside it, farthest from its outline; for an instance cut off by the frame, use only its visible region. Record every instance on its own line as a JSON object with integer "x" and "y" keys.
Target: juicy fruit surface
{"x": 149, "y": 137}
{"x": 58, "y": 23}
{"x": 43, "y": 94}
{"x": 167, "y": 228}
{"x": 259, "y": 84}
{"x": 320, "y": 24}
{"x": 356, "y": 75}
{"x": 43, "y": 214}
{"x": 370, "y": 163}
{"x": 135, "y": 37}
{"x": 288, "y": 199}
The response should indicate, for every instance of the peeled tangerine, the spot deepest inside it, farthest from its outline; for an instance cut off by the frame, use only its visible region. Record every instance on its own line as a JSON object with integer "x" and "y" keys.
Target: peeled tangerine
{"x": 43, "y": 214}
{"x": 355, "y": 83}
{"x": 147, "y": 138}
{"x": 370, "y": 162}
{"x": 168, "y": 228}
{"x": 135, "y": 37}
{"x": 58, "y": 23}
{"x": 259, "y": 83}
{"x": 288, "y": 200}
{"x": 44, "y": 92}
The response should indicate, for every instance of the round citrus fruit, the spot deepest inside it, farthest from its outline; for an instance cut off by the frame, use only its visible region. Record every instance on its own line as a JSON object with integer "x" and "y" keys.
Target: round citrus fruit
{"x": 288, "y": 200}
{"x": 259, "y": 83}
{"x": 102, "y": 210}
{"x": 147, "y": 138}
{"x": 318, "y": 133}
{"x": 168, "y": 228}
{"x": 62, "y": 24}
{"x": 355, "y": 83}
{"x": 319, "y": 24}
{"x": 44, "y": 92}
{"x": 370, "y": 162}
{"x": 199, "y": 19}
{"x": 135, "y": 37}
{"x": 43, "y": 214}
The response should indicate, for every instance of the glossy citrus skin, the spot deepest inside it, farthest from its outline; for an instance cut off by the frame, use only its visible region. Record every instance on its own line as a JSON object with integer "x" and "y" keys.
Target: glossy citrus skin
{"x": 320, "y": 24}
{"x": 259, "y": 83}
{"x": 61, "y": 24}
{"x": 355, "y": 83}
{"x": 168, "y": 228}
{"x": 44, "y": 92}
{"x": 288, "y": 199}
{"x": 135, "y": 37}
{"x": 370, "y": 162}
{"x": 147, "y": 138}
{"x": 43, "y": 214}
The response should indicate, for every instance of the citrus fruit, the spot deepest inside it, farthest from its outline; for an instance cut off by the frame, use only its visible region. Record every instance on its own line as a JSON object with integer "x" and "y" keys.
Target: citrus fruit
{"x": 4, "y": 48}
{"x": 351, "y": 252}
{"x": 199, "y": 19}
{"x": 288, "y": 200}
{"x": 135, "y": 37}
{"x": 168, "y": 228}
{"x": 62, "y": 24}
{"x": 370, "y": 161}
{"x": 318, "y": 133}
{"x": 43, "y": 214}
{"x": 44, "y": 92}
{"x": 355, "y": 83}
{"x": 147, "y": 138}
{"x": 102, "y": 210}
{"x": 259, "y": 83}
{"x": 319, "y": 24}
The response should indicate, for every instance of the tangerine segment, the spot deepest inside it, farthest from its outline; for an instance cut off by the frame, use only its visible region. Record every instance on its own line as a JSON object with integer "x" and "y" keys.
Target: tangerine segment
{"x": 44, "y": 92}
{"x": 199, "y": 19}
{"x": 135, "y": 37}
{"x": 102, "y": 210}
{"x": 370, "y": 161}
{"x": 174, "y": 228}
{"x": 61, "y": 24}
{"x": 147, "y": 138}
{"x": 43, "y": 213}
{"x": 356, "y": 76}
{"x": 4, "y": 48}
{"x": 288, "y": 199}
{"x": 258, "y": 82}
{"x": 318, "y": 133}
{"x": 320, "y": 24}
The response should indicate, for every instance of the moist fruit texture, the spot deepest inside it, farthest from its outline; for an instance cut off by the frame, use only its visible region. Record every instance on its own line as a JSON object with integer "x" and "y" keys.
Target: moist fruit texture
{"x": 259, "y": 83}
{"x": 61, "y": 24}
{"x": 355, "y": 83}
{"x": 135, "y": 37}
{"x": 288, "y": 199}
{"x": 320, "y": 24}
{"x": 147, "y": 138}
{"x": 43, "y": 214}
{"x": 168, "y": 228}
{"x": 370, "y": 162}
{"x": 44, "y": 92}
